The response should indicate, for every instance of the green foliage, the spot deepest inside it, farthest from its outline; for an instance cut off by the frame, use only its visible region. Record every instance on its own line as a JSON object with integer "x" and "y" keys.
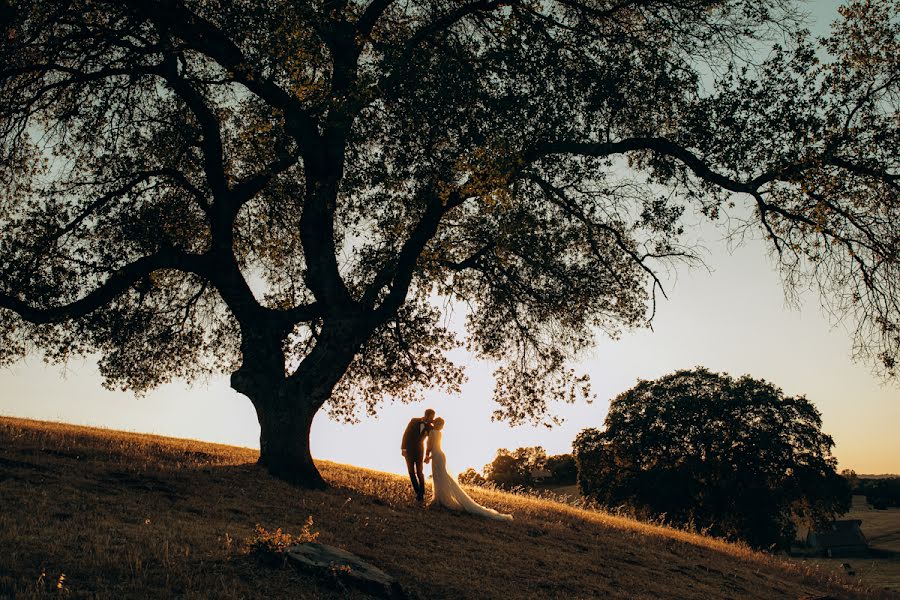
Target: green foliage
{"x": 852, "y": 479}
{"x": 733, "y": 456}
{"x": 563, "y": 469}
{"x": 880, "y": 492}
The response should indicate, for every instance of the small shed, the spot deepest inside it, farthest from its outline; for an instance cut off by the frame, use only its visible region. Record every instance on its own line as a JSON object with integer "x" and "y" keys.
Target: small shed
{"x": 839, "y": 539}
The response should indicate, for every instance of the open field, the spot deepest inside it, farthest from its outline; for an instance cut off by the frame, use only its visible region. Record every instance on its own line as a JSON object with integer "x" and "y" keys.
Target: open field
{"x": 882, "y": 529}
{"x": 94, "y": 513}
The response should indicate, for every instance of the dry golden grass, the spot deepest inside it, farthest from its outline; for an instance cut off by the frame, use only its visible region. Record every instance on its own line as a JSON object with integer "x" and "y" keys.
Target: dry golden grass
{"x": 96, "y": 513}
{"x": 881, "y": 527}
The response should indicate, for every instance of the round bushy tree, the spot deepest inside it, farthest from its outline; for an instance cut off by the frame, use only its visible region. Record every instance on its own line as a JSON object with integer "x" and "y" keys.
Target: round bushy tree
{"x": 471, "y": 477}
{"x": 563, "y": 469}
{"x": 733, "y": 456}
{"x": 513, "y": 469}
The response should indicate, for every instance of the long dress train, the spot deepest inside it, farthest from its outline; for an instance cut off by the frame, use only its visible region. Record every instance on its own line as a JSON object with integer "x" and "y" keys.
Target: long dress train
{"x": 447, "y": 491}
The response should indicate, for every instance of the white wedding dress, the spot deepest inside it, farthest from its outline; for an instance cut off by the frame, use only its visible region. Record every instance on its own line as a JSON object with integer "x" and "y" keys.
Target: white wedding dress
{"x": 447, "y": 491}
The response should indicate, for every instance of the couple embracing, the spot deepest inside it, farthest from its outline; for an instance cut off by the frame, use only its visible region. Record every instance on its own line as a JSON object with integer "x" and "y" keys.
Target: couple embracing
{"x": 447, "y": 491}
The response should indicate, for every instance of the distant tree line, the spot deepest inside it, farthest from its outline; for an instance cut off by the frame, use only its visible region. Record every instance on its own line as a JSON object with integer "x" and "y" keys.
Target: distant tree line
{"x": 524, "y": 467}
{"x": 880, "y": 492}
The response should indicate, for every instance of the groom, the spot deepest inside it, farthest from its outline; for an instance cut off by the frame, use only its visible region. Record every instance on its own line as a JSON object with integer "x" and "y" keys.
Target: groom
{"x": 413, "y": 449}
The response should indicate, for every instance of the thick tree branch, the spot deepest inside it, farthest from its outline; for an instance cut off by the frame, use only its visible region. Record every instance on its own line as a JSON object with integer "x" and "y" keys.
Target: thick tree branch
{"x": 398, "y": 274}
{"x": 248, "y": 188}
{"x": 322, "y": 275}
{"x": 211, "y": 142}
{"x": 370, "y": 16}
{"x": 116, "y": 284}
{"x": 890, "y": 179}
{"x": 304, "y": 313}
{"x": 199, "y": 34}
{"x": 695, "y": 163}
{"x": 753, "y": 187}
{"x": 659, "y": 145}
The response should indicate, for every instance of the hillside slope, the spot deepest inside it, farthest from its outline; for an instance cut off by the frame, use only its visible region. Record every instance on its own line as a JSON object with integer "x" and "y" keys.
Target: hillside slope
{"x": 97, "y": 513}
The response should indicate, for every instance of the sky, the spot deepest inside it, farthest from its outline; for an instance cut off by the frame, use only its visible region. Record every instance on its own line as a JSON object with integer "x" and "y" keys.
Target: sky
{"x": 732, "y": 318}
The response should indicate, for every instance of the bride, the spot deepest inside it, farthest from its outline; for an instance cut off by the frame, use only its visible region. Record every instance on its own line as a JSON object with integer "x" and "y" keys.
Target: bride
{"x": 447, "y": 491}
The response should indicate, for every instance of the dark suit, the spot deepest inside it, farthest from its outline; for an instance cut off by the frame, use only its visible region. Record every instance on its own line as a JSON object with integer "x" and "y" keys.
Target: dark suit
{"x": 414, "y": 444}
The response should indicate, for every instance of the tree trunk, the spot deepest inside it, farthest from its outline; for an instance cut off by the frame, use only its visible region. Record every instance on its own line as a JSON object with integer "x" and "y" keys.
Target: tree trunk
{"x": 285, "y": 413}
{"x": 286, "y": 406}
{"x": 284, "y": 444}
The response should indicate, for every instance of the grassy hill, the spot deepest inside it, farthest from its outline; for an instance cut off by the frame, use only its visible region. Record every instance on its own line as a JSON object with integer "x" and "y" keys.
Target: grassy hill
{"x": 96, "y": 513}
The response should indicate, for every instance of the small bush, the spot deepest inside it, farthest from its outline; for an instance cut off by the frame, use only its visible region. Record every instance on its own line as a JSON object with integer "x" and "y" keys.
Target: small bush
{"x": 270, "y": 546}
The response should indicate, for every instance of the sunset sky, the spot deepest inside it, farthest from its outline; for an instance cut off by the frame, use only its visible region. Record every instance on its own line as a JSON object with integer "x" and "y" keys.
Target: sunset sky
{"x": 733, "y": 319}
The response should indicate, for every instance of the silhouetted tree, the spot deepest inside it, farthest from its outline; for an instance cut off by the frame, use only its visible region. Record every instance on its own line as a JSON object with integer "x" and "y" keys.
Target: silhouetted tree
{"x": 283, "y": 191}
{"x": 852, "y": 479}
{"x": 512, "y": 469}
{"x": 518, "y": 468}
{"x": 735, "y": 456}
{"x": 471, "y": 477}
{"x": 880, "y": 492}
{"x": 563, "y": 469}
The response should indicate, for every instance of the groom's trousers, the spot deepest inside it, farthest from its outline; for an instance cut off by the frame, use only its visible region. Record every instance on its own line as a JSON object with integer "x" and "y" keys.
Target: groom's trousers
{"x": 414, "y": 463}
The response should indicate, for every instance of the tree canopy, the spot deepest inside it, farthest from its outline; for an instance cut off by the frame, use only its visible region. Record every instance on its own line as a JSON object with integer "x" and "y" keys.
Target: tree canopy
{"x": 733, "y": 456}
{"x": 880, "y": 492}
{"x": 524, "y": 467}
{"x": 512, "y": 469}
{"x": 293, "y": 192}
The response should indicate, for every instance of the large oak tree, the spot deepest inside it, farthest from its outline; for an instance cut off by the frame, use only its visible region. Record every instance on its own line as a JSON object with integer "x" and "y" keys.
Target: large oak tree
{"x": 288, "y": 191}
{"x": 733, "y": 456}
